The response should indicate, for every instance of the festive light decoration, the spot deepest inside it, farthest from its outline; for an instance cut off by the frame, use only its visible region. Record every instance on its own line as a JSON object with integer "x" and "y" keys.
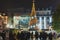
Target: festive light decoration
{"x": 33, "y": 19}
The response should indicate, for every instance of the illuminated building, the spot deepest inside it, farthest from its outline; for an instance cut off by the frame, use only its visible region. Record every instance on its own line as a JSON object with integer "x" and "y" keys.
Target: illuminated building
{"x": 41, "y": 19}
{"x": 44, "y": 19}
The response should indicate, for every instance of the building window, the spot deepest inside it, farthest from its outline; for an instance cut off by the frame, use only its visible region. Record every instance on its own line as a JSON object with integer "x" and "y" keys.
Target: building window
{"x": 47, "y": 17}
{"x": 42, "y": 27}
{"x": 48, "y": 13}
{"x": 37, "y": 14}
{"x": 48, "y": 22}
{"x": 42, "y": 18}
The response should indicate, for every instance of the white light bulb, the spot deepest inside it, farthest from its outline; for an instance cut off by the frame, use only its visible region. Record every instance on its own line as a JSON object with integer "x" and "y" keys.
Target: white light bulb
{"x": 32, "y": 17}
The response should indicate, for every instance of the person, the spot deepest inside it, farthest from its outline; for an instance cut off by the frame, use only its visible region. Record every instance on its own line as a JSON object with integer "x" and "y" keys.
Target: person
{"x": 50, "y": 36}
{"x": 18, "y": 36}
{"x": 2, "y": 34}
{"x": 54, "y": 35}
{"x": 44, "y": 35}
{"x": 36, "y": 35}
{"x": 1, "y": 38}
{"x": 28, "y": 35}
{"x": 40, "y": 36}
{"x": 23, "y": 36}
{"x": 11, "y": 36}
{"x": 31, "y": 35}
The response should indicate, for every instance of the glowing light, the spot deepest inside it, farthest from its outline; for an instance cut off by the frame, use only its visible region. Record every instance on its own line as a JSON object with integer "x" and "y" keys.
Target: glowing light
{"x": 7, "y": 25}
{"x": 11, "y": 26}
{"x": 34, "y": 26}
{"x": 0, "y": 14}
{"x": 3, "y": 13}
{"x": 32, "y": 17}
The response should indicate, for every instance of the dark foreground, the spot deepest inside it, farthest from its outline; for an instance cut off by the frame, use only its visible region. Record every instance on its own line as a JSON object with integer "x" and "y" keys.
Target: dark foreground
{"x": 27, "y": 35}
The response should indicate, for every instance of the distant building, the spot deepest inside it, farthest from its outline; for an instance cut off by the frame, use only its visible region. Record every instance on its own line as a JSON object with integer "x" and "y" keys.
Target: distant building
{"x": 21, "y": 17}
{"x": 44, "y": 19}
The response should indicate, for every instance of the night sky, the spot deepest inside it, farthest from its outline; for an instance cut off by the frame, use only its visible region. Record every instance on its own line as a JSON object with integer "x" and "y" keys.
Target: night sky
{"x": 7, "y": 4}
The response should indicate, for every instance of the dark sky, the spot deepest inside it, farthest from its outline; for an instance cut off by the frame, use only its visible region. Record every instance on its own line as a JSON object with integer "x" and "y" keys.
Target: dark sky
{"x": 7, "y": 4}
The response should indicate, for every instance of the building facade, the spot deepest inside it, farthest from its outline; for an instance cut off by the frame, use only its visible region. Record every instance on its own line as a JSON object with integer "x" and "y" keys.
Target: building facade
{"x": 44, "y": 19}
{"x": 41, "y": 19}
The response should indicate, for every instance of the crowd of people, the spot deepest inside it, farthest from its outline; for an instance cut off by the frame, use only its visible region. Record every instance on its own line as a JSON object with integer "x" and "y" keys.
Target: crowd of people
{"x": 27, "y": 35}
